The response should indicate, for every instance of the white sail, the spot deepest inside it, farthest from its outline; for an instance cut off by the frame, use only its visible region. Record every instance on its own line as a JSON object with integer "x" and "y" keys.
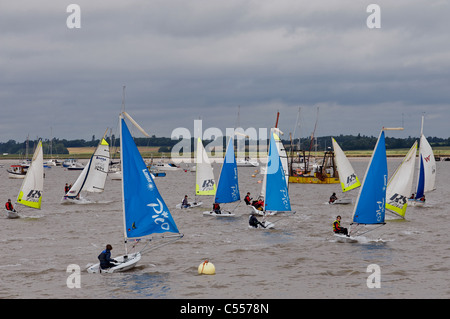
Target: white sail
{"x": 429, "y": 164}
{"x": 347, "y": 175}
{"x": 30, "y": 193}
{"x": 204, "y": 179}
{"x": 282, "y": 154}
{"x": 93, "y": 177}
{"x": 400, "y": 183}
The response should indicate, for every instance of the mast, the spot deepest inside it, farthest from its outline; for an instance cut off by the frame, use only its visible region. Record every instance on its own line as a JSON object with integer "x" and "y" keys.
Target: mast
{"x": 123, "y": 191}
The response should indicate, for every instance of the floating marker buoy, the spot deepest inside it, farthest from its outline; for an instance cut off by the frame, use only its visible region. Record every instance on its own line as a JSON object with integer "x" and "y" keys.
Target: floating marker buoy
{"x": 206, "y": 268}
{"x": 253, "y": 175}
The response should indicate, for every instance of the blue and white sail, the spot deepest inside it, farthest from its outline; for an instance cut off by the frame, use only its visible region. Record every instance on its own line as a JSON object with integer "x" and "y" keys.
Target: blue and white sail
{"x": 228, "y": 185}
{"x": 371, "y": 202}
{"x": 145, "y": 211}
{"x": 427, "y": 168}
{"x": 276, "y": 198}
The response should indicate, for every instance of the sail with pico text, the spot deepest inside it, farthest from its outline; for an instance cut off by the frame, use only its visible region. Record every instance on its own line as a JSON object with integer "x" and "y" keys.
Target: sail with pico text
{"x": 228, "y": 185}
{"x": 145, "y": 211}
{"x": 371, "y": 202}
{"x": 30, "y": 193}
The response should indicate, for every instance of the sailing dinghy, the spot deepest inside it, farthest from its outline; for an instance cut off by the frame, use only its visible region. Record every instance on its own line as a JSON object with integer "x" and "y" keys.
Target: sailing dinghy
{"x": 371, "y": 202}
{"x": 30, "y": 193}
{"x": 204, "y": 176}
{"x": 427, "y": 171}
{"x": 144, "y": 211}
{"x": 93, "y": 177}
{"x": 228, "y": 185}
{"x": 347, "y": 175}
{"x": 400, "y": 184}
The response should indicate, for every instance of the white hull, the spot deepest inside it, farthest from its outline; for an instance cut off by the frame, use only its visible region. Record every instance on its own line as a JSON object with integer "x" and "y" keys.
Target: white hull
{"x": 342, "y": 201}
{"x": 345, "y": 239}
{"x": 16, "y": 176}
{"x": 192, "y": 205}
{"x": 65, "y": 200}
{"x": 223, "y": 214}
{"x": 257, "y": 212}
{"x": 123, "y": 264}
{"x": 11, "y": 214}
{"x": 116, "y": 176}
{"x": 268, "y": 225}
{"x": 415, "y": 203}
{"x": 247, "y": 163}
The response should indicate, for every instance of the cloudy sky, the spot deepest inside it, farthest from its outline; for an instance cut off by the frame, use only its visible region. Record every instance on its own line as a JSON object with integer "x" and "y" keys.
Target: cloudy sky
{"x": 182, "y": 60}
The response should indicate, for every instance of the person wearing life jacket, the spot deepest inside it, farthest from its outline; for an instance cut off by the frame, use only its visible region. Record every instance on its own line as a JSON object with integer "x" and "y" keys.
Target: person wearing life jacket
{"x": 184, "y": 203}
{"x": 105, "y": 258}
{"x": 66, "y": 188}
{"x": 9, "y": 206}
{"x": 216, "y": 208}
{"x": 337, "y": 229}
{"x": 333, "y": 198}
{"x": 247, "y": 199}
{"x": 254, "y": 222}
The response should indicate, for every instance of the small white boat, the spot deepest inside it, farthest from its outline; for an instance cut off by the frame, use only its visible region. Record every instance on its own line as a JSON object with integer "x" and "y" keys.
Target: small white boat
{"x": 191, "y": 205}
{"x": 345, "y": 239}
{"x": 223, "y": 213}
{"x": 342, "y": 201}
{"x": 167, "y": 167}
{"x": 11, "y": 214}
{"x": 124, "y": 263}
{"x": 17, "y": 171}
{"x": 247, "y": 162}
{"x": 75, "y": 167}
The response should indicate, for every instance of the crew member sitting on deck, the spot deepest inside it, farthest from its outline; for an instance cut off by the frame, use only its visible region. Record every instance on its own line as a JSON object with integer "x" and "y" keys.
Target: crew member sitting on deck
{"x": 105, "y": 258}
{"x": 9, "y": 206}
{"x": 332, "y": 198}
{"x": 337, "y": 227}
{"x": 216, "y": 208}
{"x": 247, "y": 199}
{"x": 184, "y": 203}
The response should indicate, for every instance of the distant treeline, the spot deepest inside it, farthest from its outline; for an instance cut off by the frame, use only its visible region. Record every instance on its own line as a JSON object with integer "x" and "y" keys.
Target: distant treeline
{"x": 165, "y": 144}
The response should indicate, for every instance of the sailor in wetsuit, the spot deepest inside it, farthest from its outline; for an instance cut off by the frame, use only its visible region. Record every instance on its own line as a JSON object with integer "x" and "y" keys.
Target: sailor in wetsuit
{"x": 105, "y": 258}
{"x": 254, "y": 222}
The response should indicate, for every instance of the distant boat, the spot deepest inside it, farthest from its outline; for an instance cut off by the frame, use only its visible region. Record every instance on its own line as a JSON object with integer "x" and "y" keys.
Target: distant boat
{"x": 228, "y": 185}
{"x": 17, "y": 171}
{"x": 144, "y": 211}
{"x": 204, "y": 176}
{"x": 167, "y": 167}
{"x": 371, "y": 202}
{"x": 30, "y": 193}
{"x": 347, "y": 175}
{"x": 427, "y": 171}
{"x": 92, "y": 178}
{"x": 247, "y": 162}
{"x": 400, "y": 184}
{"x": 76, "y": 166}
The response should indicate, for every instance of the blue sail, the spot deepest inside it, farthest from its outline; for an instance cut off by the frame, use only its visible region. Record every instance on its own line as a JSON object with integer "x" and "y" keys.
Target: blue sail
{"x": 145, "y": 211}
{"x": 277, "y": 195}
{"x": 421, "y": 182}
{"x": 370, "y": 206}
{"x": 228, "y": 186}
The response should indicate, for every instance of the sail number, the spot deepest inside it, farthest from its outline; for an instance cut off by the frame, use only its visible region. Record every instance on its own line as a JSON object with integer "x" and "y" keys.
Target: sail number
{"x": 33, "y": 196}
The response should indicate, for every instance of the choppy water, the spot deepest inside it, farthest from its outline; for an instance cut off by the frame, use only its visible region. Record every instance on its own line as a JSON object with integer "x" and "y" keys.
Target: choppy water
{"x": 300, "y": 259}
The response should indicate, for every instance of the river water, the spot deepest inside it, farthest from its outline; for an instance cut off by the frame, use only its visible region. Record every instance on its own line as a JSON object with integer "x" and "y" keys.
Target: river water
{"x": 298, "y": 259}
